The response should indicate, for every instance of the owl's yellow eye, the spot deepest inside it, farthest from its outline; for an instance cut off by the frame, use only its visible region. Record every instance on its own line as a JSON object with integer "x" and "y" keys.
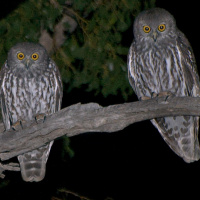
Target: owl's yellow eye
{"x": 146, "y": 29}
{"x": 20, "y": 56}
{"x": 35, "y": 56}
{"x": 161, "y": 27}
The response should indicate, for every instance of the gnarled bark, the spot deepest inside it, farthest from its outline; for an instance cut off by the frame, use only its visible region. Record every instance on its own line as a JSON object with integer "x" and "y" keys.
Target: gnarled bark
{"x": 91, "y": 117}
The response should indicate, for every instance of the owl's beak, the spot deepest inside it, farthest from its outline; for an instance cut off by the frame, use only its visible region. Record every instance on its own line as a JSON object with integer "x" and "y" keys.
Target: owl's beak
{"x": 27, "y": 63}
{"x": 154, "y": 36}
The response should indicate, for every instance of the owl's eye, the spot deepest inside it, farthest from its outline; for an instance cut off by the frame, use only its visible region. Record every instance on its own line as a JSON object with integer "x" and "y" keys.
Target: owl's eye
{"x": 161, "y": 27}
{"x": 20, "y": 56}
{"x": 146, "y": 29}
{"x": 35, "y": 56}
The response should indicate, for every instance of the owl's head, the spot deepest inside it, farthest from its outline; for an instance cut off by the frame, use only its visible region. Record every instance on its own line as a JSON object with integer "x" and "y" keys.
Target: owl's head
{"x": 154, "y": 25}
{"x": 27, "y": 56}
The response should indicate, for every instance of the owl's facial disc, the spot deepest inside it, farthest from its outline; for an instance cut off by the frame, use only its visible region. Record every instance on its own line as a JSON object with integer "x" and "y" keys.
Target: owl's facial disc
{"x": 27, "y": 60}
{"x": 154, "y": 32}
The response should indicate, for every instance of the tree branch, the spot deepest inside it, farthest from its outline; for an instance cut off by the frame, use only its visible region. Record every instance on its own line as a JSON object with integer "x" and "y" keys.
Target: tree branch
{"x": 91, "y": 117}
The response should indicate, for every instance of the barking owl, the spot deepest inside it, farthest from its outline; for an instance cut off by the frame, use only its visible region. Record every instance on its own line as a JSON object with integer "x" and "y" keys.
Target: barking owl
{"x": 31, "y": 87}
{"x": 161, "y": 61}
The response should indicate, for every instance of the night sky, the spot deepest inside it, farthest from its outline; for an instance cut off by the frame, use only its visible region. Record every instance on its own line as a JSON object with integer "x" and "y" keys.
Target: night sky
{"x": 122, "y": 165}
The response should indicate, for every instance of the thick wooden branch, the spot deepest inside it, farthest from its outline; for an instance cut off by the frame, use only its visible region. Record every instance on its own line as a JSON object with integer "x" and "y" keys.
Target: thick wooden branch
{"x": 91, "y": 117}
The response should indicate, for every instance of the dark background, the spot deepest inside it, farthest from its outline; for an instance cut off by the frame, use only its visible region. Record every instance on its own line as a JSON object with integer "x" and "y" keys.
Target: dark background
{"x": 129, "y": 164}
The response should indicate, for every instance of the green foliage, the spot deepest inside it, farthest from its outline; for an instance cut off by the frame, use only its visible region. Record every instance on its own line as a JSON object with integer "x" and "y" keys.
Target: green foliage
{"x": 4, "y": 183}
{"x": 66, "y": 148}
{"x": 25, "y": 23}
{"x": 95, "y": 53}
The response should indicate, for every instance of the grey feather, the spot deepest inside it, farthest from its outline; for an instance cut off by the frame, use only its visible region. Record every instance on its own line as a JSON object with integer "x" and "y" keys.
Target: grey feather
{"x": 27, "y": 91}
{"x": 166, "y": 64}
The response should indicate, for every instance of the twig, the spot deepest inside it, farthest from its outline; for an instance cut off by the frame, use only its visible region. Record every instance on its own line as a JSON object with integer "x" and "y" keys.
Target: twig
{"x": 10, "y": 167}
{"x": 74, "y": 194}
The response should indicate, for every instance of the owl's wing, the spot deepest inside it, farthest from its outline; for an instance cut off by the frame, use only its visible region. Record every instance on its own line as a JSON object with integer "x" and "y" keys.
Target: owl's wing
{"x": 189, "y": 65}
{"x": 57, "y": 80}
{"x": 181, "y": 132}
{"x": 131, "y": 62}
{"x": 4, "y": 108}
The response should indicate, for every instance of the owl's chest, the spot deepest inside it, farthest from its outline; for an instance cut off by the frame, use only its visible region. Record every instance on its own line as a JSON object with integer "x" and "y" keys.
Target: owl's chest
{"x": 27, "y": 97}
{"x": 161, "y": 70}
{"x": 26, "y": 88}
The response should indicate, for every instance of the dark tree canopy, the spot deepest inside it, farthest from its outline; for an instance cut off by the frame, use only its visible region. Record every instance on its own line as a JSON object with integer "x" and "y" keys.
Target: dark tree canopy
{"x": 89, "y": 40}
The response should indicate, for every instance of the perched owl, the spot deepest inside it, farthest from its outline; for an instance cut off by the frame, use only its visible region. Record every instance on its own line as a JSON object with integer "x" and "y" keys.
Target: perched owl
{"x": 161, "y": 61}
{"x": 31, "y": 87}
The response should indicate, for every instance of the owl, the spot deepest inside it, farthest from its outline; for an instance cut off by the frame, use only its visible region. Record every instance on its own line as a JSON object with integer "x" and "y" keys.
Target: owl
{"x": 161, "y": 61}
{"x": 30, "y": 89}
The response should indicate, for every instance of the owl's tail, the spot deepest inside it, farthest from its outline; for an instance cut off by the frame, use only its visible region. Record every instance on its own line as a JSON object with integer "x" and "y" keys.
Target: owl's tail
{"x": 33, "y": 164}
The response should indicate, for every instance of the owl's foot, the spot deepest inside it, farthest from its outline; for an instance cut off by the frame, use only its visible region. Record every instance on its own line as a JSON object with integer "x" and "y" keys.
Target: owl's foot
{"x": 153, "y": 95}
{"x": 18, "y": 125}
{"x": 40, "y": 118}
{"x": 145, "y": 98}
{"x": 167, "y": 95}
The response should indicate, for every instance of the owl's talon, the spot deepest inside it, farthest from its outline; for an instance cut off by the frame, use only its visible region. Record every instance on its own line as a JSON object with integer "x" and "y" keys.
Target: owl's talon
{"x": 145, "y": 98}
{"x": 18, "y": 125}
{"x": 163, "y": 97}
{"x": 154, "y": 95}
{"x": 166, "y": 94}
{"x": 40, "y": 118}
